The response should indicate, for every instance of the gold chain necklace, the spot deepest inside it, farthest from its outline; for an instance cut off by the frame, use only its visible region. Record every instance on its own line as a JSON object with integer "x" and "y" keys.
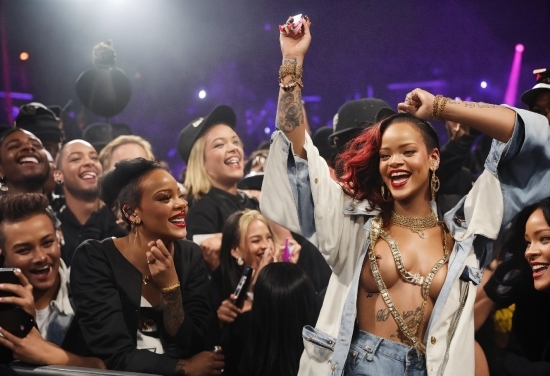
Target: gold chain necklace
{"x": 407, "y": 329}
{"x": 415, "y": 224}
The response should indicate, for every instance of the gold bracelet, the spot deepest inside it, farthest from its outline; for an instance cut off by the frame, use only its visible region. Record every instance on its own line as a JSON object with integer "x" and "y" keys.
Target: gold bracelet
{"x": 435, "y": 107}
{"x": 442, "y": 104}
{"x": 295, "y": 72}
{"x": 166, "y": 290}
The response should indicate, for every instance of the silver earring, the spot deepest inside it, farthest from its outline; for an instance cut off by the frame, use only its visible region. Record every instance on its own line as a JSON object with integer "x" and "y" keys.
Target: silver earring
{"x": 3, "y": 185}
{"x": 240, "y": 261}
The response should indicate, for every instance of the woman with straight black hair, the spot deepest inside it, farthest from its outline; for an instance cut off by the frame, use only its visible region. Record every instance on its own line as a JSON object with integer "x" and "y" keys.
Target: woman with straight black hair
{"x": 522, "y": 278}
{"x": 285, "y": 301}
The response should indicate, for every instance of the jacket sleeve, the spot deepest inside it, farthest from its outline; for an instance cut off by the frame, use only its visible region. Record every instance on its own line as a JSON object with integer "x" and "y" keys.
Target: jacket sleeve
{"x": 301, "y": 196}
{"x": 193, "y": 275}
{"x": 101, "y": 317}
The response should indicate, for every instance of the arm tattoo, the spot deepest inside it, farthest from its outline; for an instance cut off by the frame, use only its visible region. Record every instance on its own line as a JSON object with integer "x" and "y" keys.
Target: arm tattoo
{"x": 290, "y": 112}
{"x": 382, "y": 315}
{"x": 477, "y": 104}
{"x": 172, "y": 313}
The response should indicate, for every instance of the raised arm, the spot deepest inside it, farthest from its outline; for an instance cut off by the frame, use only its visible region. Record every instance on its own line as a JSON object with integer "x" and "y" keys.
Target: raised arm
{"x": 495, "y": 121}
{"x": 290, "y": 111}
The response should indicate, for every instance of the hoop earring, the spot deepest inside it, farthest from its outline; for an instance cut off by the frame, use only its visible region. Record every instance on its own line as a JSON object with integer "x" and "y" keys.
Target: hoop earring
{"x": 386, "y": 194}
{"x": 435, "y": 184}
{"x": 240, "y": 261}
{"x": 3, "y": 185}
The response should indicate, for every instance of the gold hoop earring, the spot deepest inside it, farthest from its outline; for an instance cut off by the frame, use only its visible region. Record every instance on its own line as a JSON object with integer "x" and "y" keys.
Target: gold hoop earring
{"x": 435, "y": 184}
{"x": 386, "y": 194}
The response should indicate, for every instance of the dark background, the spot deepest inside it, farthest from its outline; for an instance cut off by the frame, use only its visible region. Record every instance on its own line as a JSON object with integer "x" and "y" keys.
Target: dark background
{"x": 173, "y": 49}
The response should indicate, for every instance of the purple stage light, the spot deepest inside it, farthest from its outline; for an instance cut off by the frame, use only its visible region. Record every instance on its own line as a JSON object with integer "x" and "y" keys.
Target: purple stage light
{"x": 483, "y": 84}
{"x": 202, "y": 94}
{"x": 512, "y": 87}
{"x": 267, "y": 130}
{"x": 14, "y": 95}
{"x": 267, "y": 27}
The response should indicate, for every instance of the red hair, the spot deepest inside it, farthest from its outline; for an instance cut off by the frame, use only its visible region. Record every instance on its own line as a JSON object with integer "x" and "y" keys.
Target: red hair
{"x": 359, "y": 167}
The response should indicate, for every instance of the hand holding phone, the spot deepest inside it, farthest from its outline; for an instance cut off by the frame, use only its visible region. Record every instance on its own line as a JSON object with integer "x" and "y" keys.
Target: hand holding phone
{"x": 17, "y": 310}
{"x": 242, "y": 287}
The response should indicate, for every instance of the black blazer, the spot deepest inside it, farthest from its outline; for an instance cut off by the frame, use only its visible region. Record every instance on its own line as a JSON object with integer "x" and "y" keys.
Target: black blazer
{"x": 106, "y": 291}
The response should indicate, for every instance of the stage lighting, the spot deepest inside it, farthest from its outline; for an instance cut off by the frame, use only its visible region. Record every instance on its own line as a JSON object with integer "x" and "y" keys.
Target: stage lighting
{"x": 24, "y": 56}
{"x": 483, "y": 84}
{"x": 202, "y": 94}
{"x": 519, "y": 47}
{"x": 267, "y": 130}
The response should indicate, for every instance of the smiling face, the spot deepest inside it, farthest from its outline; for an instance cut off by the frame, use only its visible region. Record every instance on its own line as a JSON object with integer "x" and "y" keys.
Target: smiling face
{"x": 223, "y": 157}
{"x": 79, "y": 170}
{"x": 254, "y": 243}
{"x": 537, "y": 253}
{"x": 32, "y": 246}
{"x": 405, "y": 163}
{"x": 24, "y": 163}
{"x": 126, "y": 152}
{"x": 162, "y": 209}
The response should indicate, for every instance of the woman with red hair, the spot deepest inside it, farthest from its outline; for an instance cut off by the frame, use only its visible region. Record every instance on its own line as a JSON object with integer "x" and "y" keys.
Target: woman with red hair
{"x": 400, "y": 300}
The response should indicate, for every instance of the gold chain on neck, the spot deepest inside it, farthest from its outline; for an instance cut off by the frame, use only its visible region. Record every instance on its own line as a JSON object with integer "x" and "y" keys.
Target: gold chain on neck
{"x": 415, "y": 224}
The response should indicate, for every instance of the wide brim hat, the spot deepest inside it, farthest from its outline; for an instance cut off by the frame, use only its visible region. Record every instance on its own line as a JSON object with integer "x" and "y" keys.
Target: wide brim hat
{"x": 253, "y": 181}
{"x": 222, "y": 114}
{"x": 530, "y": 96}
{"x": 360, "y": 114}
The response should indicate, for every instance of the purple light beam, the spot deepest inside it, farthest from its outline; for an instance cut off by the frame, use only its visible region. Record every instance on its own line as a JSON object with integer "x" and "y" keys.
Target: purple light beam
{"x": 512, "y": 87}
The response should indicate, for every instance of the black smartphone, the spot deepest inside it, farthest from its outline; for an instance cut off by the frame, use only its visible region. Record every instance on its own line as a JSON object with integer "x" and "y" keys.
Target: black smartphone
{"x": 13, "y": 318}
{"x": 242, "y": 287}
{"x": 7, "y": 275}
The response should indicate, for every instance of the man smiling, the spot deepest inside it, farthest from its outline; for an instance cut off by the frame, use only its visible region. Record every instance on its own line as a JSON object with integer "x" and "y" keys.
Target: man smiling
{"x": 24, "y": 165}
{"x": 84, "y": 216}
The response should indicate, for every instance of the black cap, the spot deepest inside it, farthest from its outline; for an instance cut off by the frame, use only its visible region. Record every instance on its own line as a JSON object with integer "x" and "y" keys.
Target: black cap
{"x": 359, "y": 114}
{"x": 253, "y": 181}
{"x": 100, "y": 134}
{"x": 543, "y": 84}
{"x": 40, "y": 121}
{"x": 124, "y": 172}
{"x": 321, "y": 141}
{"x": 222, "y": 114}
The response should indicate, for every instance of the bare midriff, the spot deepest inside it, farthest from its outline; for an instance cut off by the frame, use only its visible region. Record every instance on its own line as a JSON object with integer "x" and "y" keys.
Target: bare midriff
{"x": 419, "y": 257}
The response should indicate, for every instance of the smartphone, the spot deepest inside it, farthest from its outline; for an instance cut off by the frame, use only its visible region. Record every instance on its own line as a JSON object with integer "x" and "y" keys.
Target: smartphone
{"x": 7, "y": 275}
{"x": 242, "y": 287}
{"x": 15, "y": 320}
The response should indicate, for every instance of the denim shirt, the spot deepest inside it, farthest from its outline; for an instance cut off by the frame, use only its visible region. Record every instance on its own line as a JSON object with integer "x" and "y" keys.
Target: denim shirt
{"x": 299, "y": 195}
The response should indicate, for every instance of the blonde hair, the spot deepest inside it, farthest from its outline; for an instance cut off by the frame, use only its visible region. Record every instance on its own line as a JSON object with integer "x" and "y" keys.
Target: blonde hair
{"x": 107, "y": 152}
{"x": 247, "y": 218}
{"x": 197, "y": 182}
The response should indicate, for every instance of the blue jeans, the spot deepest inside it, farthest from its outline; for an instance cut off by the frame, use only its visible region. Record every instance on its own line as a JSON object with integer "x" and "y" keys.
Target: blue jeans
{"x": 373, "y": 355}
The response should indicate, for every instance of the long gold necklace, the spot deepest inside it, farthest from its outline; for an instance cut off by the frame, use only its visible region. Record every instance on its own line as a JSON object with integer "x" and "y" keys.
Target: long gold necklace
{"x": 415, "y": 224}
{"x": 409, "y": 330}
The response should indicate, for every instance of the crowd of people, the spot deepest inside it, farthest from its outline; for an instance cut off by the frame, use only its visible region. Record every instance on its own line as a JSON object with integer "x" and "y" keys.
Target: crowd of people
{"x": 374, "y": 250}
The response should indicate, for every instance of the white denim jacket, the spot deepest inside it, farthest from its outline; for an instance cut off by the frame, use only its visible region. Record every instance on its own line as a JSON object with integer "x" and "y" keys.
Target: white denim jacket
{"x": 301, "y": 196}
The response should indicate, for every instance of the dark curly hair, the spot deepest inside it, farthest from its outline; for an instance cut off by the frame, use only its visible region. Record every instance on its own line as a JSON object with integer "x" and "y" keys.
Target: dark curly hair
{"x": 359, "y": 162}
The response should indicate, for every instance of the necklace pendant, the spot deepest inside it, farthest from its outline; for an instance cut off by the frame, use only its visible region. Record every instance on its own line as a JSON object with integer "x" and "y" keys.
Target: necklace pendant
{"x": 421, "y": 234}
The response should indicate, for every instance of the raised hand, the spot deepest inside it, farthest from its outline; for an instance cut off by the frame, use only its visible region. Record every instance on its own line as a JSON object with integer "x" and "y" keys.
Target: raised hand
{"x": 295, "y": 46}
{"x": 419, "y": 103}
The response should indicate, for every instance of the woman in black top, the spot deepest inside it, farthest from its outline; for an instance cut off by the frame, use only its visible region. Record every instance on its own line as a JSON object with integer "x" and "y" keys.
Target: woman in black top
{"x": 215, "y": 161}
{"x": 147, "y": 290}
{"x": 523, "y": 278}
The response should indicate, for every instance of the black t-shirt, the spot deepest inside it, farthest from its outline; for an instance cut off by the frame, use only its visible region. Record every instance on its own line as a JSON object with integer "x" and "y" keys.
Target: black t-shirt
{"x": 102, "y": 224}
{"x": 208, "y": 214}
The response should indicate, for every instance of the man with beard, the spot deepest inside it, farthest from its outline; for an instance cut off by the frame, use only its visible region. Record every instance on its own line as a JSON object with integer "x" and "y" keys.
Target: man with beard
{"x": 24, "y": 164}
{"x": 84, "y": 216}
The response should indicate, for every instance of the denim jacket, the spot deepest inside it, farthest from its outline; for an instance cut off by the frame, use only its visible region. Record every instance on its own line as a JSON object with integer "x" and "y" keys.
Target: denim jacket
{"x": 301, "y": 196}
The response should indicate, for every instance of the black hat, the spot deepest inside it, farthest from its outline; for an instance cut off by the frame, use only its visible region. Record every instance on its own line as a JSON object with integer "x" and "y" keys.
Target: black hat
{"x": 321, "y": 141}
{"x": 359, "y": 114}
{"x": 40, "y": 121}
{"x": 543, "y": 84}
{"x": 124, "y": 172}
{"x": 100, "y": 134}
{"x": 254, "y": 181}
{"x": 222, "y": 114}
